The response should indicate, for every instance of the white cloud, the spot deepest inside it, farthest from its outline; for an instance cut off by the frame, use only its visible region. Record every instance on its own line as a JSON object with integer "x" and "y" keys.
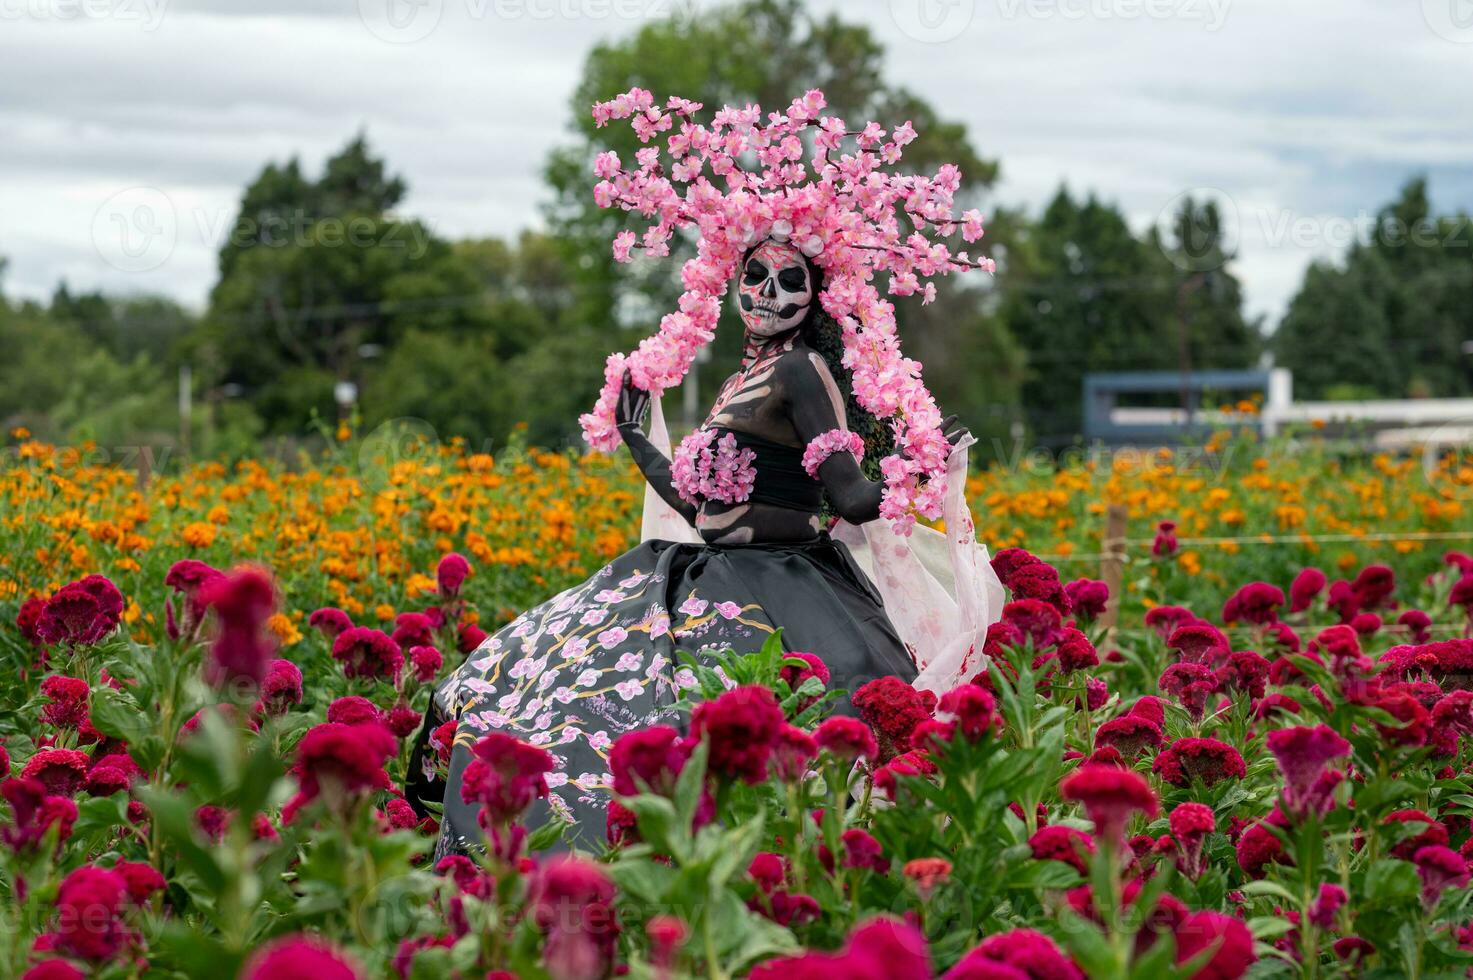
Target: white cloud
{"x": 1317, "y": 109}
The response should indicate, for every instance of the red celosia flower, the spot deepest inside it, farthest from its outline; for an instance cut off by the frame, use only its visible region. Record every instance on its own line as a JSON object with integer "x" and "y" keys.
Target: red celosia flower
{"x": 1440, "y": 868}
{"x": 1130, "y": 735}
{"x": 1462, "y": 593}
{"x": 1365, "y": 624}
{"x": 1035, "y": 619}
{"x": 846, "y": 738}
{"x": 81, "y": 613}
{"x": 1256, "y": 602}
{"x": 451, "y": 574}
{"x": 1342, "y": 600}
{"x": 1417, "y": 623}
{"x": 471, "y": 637}
{"x": 366, "y": 652}
{"x": 53, "y": 970}
{"x": 1009, "y": 560}
{"x": 331, "y": 620}
{"x": 970, "y": 710}
{"x": 766, "y": 869}
{"x": 61, "y": 771}
{"x": 300, "y": 958}
{"x": 400, "y": 815}
{"x": 1087, "y": 598}
{"x": 68, "y": 708}
{"x": 141, "y": 880}
{"x": 793, "y": 751}
{"x": 282, "y": 687}
{"x": 621, "y": 826}
{"x": 813, "y": 666}
{"x": 34, "y": 812}
{"x": 341, "y": 762}
{"x": 1110, "y": 797}
{"x": 442, "y": 740}
{"x": 189, "y": 577}
{"x": 243, "y": 601}
{"x": 89, "y": 908}
{"x": 1226, "y": 935}
{"x": 1040, "y": 582}
{"x": 861, "y": 850}
{"x": 1282, "y": 636}
{"x": 893, "y": 709}
{"x": 1206, "y": 759}
{"x": 740, "y": 727}
{"x": 28, "y": 618}
{"x": 1075, "y": 652}
{"x": 1149, "y": 706}
{"x": 654, "y": 756}
{"x": 1031, "y": 953}
{"x": 1302, "y": 754}
{"x": 1165, "y": 543}
{"x": 1245, "y": 672}
{"x": 427, "y": 662}
{"x": 927, "y": 873}
{"x": 571, "y": 901}
{"x": 1065, "y": 844}
{"x": 878, "y": 949}
{"x": 1307, "y": 584}
{"x": 413, "y": 629}
{"x": 404, "y": 720}
{"x": 1190, "y": 683}
{"x": 1415, "y": 721}
{"x": 1353, "y": 949}
{"x": 505, "y": 776}
{"x": 906, "y": 764}
{"x": 1326, "y": 906}
{"x": 1166, "y": 619}
{"x": 355, "y": 710}
{"x": 1259, "y": 847}
{"x": 1373, "y": 586}
{"x": 1190, "y": 825}
{"x": 1199, "y": 643}
{"x": 1433, "y": 833}
{"x": 1448, "y": 662}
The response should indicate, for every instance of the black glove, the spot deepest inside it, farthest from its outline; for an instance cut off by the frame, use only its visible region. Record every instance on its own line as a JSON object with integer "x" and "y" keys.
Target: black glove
{"x": 633, "y": 405}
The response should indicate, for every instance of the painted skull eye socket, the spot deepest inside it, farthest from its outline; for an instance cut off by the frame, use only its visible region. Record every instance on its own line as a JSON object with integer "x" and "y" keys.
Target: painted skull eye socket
{"x": 756, "y": 272}
{"x": 793, "y": 278}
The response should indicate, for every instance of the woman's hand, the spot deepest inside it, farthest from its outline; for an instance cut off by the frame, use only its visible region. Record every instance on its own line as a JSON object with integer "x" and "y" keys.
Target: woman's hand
{"x": 633, "y": 404}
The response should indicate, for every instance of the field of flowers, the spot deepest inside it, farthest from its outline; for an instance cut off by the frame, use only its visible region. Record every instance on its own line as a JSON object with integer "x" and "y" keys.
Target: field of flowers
{"x": 1259, "y": 772}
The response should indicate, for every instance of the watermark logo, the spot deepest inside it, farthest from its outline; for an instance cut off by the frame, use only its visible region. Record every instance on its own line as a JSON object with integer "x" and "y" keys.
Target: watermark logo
{"x": 148, "y": 14}
{"x": 1447, "y": 460}
{"x": 1195, "y": 238}
{"x": 136, "y": 229}
{"x": 388, "y": 454}
{"x": 401, "y": 21}
{"x": 1451, "y": 20}
{"x": 932, "y": 21}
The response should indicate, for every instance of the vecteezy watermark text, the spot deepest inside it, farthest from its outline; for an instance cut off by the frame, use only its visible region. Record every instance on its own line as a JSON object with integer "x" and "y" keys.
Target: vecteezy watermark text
{"x": 939, "y": 21}
{"x": 148, "y": 14}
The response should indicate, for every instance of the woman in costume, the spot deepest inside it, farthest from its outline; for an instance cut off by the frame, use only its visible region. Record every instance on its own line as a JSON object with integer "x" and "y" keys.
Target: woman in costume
{"x": 737, "y": 540}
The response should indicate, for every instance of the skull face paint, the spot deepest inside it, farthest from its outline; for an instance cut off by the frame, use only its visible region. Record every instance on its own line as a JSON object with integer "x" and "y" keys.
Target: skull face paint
{"x": 775, "y": 290}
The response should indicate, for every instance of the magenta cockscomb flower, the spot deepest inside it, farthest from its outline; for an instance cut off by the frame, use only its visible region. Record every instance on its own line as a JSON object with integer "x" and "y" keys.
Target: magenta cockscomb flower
{"x": 1302, "y": 754}
{"x": 1110, "y": 797}
{"x": 1206, "y": 759}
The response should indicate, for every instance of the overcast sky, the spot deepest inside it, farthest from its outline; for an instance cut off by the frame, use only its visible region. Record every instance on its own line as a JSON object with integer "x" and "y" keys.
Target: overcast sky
{"x": 128, "y": 127}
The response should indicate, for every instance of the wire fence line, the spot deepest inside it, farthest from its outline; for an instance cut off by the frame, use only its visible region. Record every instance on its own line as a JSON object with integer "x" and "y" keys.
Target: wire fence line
{"x": 1264, "y": 539}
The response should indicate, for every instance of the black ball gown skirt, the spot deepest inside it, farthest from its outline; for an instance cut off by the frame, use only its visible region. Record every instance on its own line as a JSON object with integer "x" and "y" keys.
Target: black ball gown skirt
{"x": 602, "y": 659}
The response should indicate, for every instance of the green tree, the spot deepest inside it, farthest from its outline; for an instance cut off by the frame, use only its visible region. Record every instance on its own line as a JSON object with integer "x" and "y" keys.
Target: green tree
{"x": 1390, "y": 320}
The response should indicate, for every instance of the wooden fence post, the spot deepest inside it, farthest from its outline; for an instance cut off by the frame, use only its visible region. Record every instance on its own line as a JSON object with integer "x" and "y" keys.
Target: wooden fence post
{"x": 1112, "y": 561}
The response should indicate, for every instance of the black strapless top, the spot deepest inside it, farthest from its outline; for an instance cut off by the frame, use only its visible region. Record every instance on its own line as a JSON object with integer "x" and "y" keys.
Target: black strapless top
{"x": 781, "y": 479}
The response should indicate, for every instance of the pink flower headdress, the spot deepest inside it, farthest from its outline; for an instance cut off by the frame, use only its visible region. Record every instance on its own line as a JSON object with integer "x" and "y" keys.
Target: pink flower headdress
{"x": 842, "y": 213}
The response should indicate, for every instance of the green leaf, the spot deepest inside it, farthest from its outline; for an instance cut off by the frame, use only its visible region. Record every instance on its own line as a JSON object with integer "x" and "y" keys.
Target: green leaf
{"x": 115, "y": 713}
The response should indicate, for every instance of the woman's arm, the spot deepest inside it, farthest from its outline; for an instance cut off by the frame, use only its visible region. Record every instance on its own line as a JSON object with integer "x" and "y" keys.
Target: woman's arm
{"x": 817, "y": 406}
{"x": 633, "y": 405}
